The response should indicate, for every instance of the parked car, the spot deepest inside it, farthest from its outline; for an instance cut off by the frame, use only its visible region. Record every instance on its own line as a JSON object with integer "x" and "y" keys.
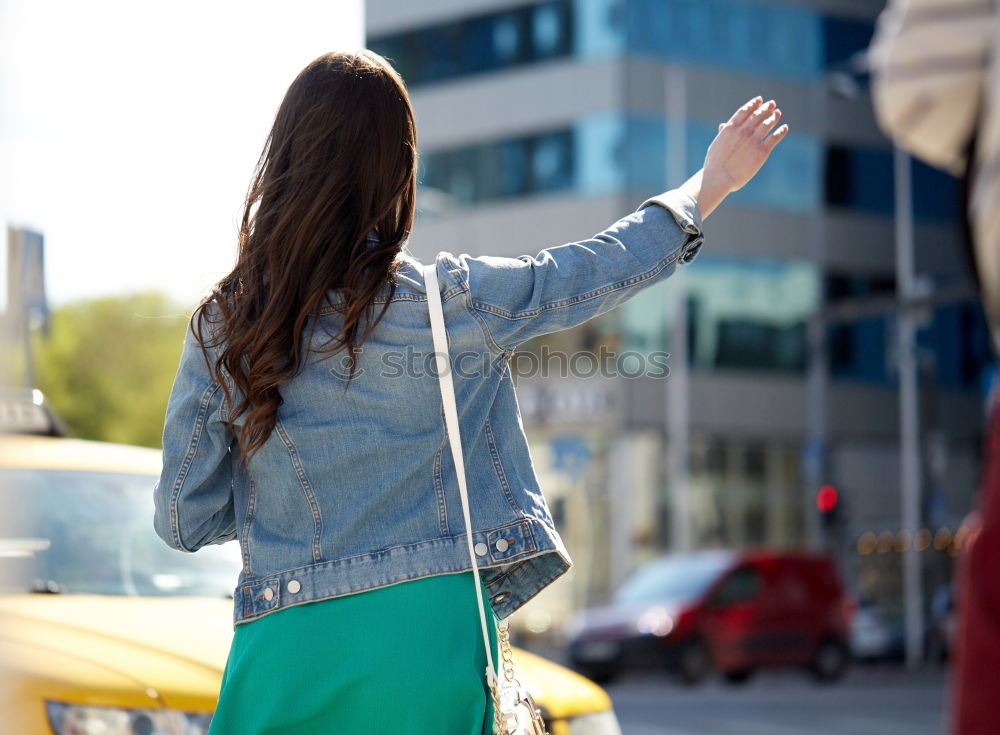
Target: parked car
{"x": 729, "y": 611}
{"x": 103, "y": 628}
{"x": 873, "y": 635}
{"x": 880, "y": 636}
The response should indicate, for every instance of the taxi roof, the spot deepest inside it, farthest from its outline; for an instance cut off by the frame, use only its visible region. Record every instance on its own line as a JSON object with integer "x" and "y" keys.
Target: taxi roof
{"x": 22, "y": 451}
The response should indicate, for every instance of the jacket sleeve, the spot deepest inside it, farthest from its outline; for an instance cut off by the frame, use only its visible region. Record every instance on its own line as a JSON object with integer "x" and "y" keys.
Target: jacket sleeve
{"x": 928, "y": 61}
{"x": 194, "y": 495}
{"x": 525, "y": 296}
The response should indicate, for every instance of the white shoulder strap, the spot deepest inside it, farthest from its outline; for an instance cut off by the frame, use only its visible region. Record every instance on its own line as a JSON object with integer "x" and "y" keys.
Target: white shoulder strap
{"x": 442, "y": 363}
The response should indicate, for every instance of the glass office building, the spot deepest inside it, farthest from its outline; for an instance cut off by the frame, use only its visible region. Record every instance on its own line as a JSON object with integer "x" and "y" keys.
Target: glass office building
{"x": 543, "y": 122}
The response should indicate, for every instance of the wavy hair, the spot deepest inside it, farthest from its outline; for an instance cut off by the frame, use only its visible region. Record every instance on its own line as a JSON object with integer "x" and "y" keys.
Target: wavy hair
{"x": 340, "y": 162}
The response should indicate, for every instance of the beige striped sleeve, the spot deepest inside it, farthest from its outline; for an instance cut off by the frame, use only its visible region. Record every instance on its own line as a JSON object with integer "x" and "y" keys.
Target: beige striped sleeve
{"x": 928, "y": 60}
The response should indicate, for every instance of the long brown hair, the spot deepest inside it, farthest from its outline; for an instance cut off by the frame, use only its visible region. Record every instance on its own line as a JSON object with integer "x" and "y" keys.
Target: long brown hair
{"x": 339, "y": 162}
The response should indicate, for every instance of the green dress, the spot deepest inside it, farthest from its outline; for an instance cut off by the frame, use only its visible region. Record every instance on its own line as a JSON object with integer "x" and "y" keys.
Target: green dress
{"x": 407, "y": 658}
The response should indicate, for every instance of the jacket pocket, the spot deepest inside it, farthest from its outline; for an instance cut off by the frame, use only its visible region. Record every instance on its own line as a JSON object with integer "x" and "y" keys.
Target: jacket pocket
{"x": 498, "y": 466}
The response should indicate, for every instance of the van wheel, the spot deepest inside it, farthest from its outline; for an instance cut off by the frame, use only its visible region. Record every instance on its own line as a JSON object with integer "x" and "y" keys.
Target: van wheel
{"x": 737, "y": 676}
{"x": 830, "y": 661}
{"x": 695, "y": 662}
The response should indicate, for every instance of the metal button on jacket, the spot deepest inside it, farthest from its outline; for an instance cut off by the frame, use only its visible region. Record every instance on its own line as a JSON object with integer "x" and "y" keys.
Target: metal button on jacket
{"x": 481, "y": 548}
{"x": 500, "y": 597}
{"x": 268, "y": 593}
{"x": 502, "y": 545}
{"x": 294, "y": 586}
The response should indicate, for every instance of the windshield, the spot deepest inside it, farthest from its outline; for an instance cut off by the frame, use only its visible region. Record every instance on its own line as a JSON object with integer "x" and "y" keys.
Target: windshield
{"x": 92, "y": 533}
{"x": 672, "y": 579}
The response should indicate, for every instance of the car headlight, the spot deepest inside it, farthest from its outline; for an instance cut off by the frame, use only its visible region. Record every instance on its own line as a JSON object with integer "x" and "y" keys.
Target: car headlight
{"x": 656, "y": 620}
{"x": 67, "y": 718}
{"x": 596, "y": 723}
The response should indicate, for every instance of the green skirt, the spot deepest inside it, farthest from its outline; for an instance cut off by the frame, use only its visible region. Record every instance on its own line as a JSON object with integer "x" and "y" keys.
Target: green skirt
{"x": 408, "y": 658}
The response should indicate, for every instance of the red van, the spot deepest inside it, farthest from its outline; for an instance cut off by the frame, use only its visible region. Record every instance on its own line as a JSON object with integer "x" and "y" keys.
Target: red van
{"x": 728, "y": 611}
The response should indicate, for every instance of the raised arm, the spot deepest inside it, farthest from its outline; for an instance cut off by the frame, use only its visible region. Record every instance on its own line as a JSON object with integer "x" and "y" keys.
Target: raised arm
{"x": 560, "y": 287}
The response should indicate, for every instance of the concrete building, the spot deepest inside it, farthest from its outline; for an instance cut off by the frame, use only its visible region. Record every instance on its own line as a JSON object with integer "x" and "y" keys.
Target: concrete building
{"x": 541, "y": 123}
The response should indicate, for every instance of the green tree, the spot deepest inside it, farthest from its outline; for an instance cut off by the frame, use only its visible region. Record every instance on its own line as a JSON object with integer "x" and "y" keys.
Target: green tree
{"x": 108, "y": 364}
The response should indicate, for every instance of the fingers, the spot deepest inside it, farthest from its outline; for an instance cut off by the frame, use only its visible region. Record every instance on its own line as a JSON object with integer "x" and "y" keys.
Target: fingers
{"x": 768, "y": 123}
{"x": 760, "y": 114}
{"x": 740, "y": 116}
{"x": 774, "y": 138}
{"x": 756, "y": 120}
{"x": 762, "y": 125}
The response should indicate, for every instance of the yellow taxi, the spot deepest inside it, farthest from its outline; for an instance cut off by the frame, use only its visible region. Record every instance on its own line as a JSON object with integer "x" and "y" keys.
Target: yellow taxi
{"x": 104, "y": 630}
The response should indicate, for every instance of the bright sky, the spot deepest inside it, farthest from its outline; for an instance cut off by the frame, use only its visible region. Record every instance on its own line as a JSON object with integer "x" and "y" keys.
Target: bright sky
{"x": 129, "y": 130}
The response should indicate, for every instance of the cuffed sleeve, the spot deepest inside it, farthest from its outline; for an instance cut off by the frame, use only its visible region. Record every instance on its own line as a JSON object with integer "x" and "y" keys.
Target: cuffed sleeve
{"x": 194, "y": 495}
{"x": 928, "y": 61}
{"x": 522, "y": 297}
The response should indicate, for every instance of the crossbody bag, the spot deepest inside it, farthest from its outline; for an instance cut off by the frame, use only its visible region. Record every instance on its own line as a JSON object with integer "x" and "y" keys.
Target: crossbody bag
{"x": 514, "y": 709}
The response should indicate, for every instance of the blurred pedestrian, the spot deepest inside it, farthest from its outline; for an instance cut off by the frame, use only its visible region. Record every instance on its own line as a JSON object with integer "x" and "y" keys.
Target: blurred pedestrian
{"x": 334, "y": 475}
{"x": 936, "y": 91}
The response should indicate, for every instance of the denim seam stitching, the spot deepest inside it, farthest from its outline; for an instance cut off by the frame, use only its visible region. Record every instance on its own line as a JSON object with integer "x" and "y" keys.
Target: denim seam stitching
{"x": 206, "y": 398}
{"x": 251, "y": 507}
{"x": 439, "y": 491}
{"x": 398, "y": 297}
{"x": 415, "y": 544}
{"x": 617, "y": 286}
{"x": 471, "y": 306}
{"x": 306, "y": 488}
{"x": 498, "y": 466}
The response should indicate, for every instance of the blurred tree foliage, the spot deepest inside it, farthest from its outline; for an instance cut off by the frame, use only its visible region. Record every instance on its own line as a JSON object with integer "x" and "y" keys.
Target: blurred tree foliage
{"x": 108, "y": 364}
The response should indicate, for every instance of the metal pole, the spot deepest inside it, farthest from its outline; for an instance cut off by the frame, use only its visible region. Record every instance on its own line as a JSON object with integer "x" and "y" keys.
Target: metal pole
{"x": 678, "y": 413}
{"x": 909, "y": 419}
{"x": 622, "y": 490}
{"x": 814, "y": 465}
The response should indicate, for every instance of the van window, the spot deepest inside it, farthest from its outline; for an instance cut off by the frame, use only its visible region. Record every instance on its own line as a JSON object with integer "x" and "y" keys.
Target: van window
{"x": 678, "y": 577}
{"x": 740, "y": 586}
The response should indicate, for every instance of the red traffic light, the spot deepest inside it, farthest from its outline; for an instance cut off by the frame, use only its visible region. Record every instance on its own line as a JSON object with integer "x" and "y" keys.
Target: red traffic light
{"x": 826, "y": 499}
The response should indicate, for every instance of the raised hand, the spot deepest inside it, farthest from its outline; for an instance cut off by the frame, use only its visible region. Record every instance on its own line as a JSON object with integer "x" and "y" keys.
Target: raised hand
{"x": 743, "y": 143}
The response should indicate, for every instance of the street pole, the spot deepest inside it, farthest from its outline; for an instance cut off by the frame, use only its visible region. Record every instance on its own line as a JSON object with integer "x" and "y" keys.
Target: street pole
{"x": 909, "y": 419}
{"x": 814, "y": 465}
{"x": 678, "y": 383}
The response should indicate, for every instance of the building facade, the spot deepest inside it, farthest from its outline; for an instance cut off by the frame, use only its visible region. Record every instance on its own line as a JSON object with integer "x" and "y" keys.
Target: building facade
{"x": 558, "y": 117}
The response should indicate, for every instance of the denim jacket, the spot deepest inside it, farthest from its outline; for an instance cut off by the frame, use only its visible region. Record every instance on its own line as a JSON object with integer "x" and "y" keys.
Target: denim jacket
{"x": 355, "y": 489}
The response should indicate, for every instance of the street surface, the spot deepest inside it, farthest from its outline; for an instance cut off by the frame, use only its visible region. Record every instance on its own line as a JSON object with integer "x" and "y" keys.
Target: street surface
{"x": 877, "y": 700}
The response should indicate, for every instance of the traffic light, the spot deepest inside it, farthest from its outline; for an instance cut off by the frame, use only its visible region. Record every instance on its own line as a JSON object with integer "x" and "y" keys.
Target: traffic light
{"x": 828, "y": 505}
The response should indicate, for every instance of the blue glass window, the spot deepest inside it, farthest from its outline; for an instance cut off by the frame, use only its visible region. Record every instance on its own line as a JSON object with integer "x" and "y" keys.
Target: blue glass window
{"x": 726, "y": 33}
{"x": 743, "y": 313}
{"x": 958, "y": 337}
{"x": 549, "y": 31}
{"x": 719, "y": 33}
{"x": 552, "y": 161}
{"x": 859, "y": 178}
{"x": 844, "y": 37}
{"x": 863, "y": 179}
{"x": 479, "y": 43}
{"x": 935, "y": 193}
{"x": 502, "y": 168}
{"x": 857, "y": 350}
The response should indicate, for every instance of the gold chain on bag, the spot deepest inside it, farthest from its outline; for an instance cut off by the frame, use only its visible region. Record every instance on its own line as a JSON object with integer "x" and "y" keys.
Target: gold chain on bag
{"x": 520, "y": 694}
